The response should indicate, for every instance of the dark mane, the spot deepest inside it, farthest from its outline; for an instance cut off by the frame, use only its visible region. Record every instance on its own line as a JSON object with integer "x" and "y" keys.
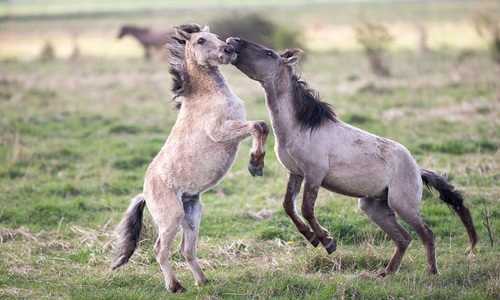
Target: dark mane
{"x": 310, "y": 111}
{"x": 180, "y": 81}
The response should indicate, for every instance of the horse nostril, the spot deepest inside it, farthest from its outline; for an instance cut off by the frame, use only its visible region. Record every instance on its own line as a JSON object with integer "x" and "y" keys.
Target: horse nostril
{"x": 229, "y": 50}
{"x": 237, "y": 40}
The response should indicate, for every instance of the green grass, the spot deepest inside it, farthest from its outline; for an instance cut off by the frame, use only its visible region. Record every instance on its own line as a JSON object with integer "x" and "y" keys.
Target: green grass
{"x": 77, "y": 136}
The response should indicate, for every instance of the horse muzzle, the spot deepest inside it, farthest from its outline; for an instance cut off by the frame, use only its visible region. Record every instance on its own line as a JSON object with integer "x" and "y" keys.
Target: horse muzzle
{"x": 236, "y": 43}
{"x": 228, "y": 55}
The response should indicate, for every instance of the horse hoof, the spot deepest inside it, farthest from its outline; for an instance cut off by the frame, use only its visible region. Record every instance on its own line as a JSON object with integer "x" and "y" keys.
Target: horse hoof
{"x": 177, "y": 288}
{"x": 203, "y": 282}
{"x": 332, "y": 247}
{"x": 314, "y": 241}
{"x": 432, "y": 271}
{"x": 180, "y": 289}
{"x": 382, "y": 274}
{"x": 254, "y": 171}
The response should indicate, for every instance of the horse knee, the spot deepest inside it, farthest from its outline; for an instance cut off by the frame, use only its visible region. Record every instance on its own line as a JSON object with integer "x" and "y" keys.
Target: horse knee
{"x": 289, "y": 208}
{"x": 260, "y": 127}
{"x": 307, "y": 211}
{"x": 308, "y": 214}
{"x": 265, "y": 128}
{"x": 403, "y": 243}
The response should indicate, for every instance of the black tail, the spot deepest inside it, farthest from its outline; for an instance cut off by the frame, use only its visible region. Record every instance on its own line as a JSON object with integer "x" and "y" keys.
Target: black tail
{"x": 449, "y": 195}
{"x": 130, "y": 231}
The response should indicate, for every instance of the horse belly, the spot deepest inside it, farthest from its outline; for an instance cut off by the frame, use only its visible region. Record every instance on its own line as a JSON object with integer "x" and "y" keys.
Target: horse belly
{"x": 193, "y": 165}
{"x": 214, "y": 166}
{"x": 207, "y": 166}
{"x": 357, "y": 182}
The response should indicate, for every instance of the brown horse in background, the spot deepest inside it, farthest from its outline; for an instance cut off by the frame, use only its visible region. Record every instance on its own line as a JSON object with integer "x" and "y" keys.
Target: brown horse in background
{"x": 148, "y": 38}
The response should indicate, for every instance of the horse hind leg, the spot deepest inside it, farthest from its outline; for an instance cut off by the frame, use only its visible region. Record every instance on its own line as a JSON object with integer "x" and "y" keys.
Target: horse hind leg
{"x": 167, "y": 212}
{"x": 162, "y": 251}
{"x": 193, "y": 208}
{"x": 381, "y": 214}
{"x": 292, "y": 190}
{"x": 408, "y": 212}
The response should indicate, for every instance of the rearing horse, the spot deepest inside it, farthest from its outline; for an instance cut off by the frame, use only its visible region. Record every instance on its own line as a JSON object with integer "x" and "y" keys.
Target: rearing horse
{"x": 199, "y": 152}
{"x": 317, "y": 148}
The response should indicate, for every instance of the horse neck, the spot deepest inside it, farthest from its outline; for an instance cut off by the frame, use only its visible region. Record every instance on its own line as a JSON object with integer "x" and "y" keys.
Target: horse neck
{"x": 279, "y": 97}
{"x": 206, "y": 80}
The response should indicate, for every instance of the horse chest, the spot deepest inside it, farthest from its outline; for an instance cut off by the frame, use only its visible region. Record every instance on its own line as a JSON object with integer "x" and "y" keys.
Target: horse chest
{"x": 234, "y": 109}
{"x": 205, "y": 161}
{"x": 286, "y": 159}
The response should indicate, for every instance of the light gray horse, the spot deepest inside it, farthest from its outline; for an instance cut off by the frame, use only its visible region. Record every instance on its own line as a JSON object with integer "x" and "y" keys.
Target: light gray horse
{"x": 199, "y": 152}
{"x": 322, "y": 151}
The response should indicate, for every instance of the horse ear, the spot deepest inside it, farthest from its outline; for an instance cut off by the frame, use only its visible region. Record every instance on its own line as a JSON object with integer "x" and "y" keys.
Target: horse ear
{"x": 181, "y": 34}
{"x": 291, "y": 56}
{"x": 206, "y": 28}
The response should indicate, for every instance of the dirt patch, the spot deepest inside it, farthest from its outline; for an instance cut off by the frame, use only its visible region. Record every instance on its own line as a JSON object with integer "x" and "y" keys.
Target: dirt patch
{"x": 11, "y": 234}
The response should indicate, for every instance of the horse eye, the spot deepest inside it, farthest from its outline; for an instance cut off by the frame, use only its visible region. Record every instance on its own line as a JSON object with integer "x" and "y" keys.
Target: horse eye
{"x": 201, "y": 41}
{"x": 269, "y": 53}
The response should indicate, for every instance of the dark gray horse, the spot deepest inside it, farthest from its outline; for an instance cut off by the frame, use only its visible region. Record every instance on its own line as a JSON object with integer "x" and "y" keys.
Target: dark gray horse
{"x": 317, "y": 148}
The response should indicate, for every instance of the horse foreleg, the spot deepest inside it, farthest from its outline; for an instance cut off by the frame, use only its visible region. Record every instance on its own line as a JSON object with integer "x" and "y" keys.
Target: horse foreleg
{"x": 311, "y": 189}
{"x": 258, "y": 150}
{"x": 231, "y": 130}
{"x": 292, "y": 190}
{"x": 193, "y": 209}
{"x": 381, "y": 214}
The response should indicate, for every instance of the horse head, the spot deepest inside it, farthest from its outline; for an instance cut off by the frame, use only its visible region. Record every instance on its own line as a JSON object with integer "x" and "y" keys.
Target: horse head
{"x": 260, "y": 63}
{"x": 204, "y": 47}
{"x": 123, "y": 31}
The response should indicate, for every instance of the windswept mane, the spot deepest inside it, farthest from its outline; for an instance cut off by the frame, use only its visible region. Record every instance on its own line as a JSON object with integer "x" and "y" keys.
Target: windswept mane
{"x": 180, "y": 81}
{"x": 310, "y": 111}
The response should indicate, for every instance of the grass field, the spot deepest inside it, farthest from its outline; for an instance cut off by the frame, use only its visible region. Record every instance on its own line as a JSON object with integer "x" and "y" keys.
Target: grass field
{"x": 76, "y": 137}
